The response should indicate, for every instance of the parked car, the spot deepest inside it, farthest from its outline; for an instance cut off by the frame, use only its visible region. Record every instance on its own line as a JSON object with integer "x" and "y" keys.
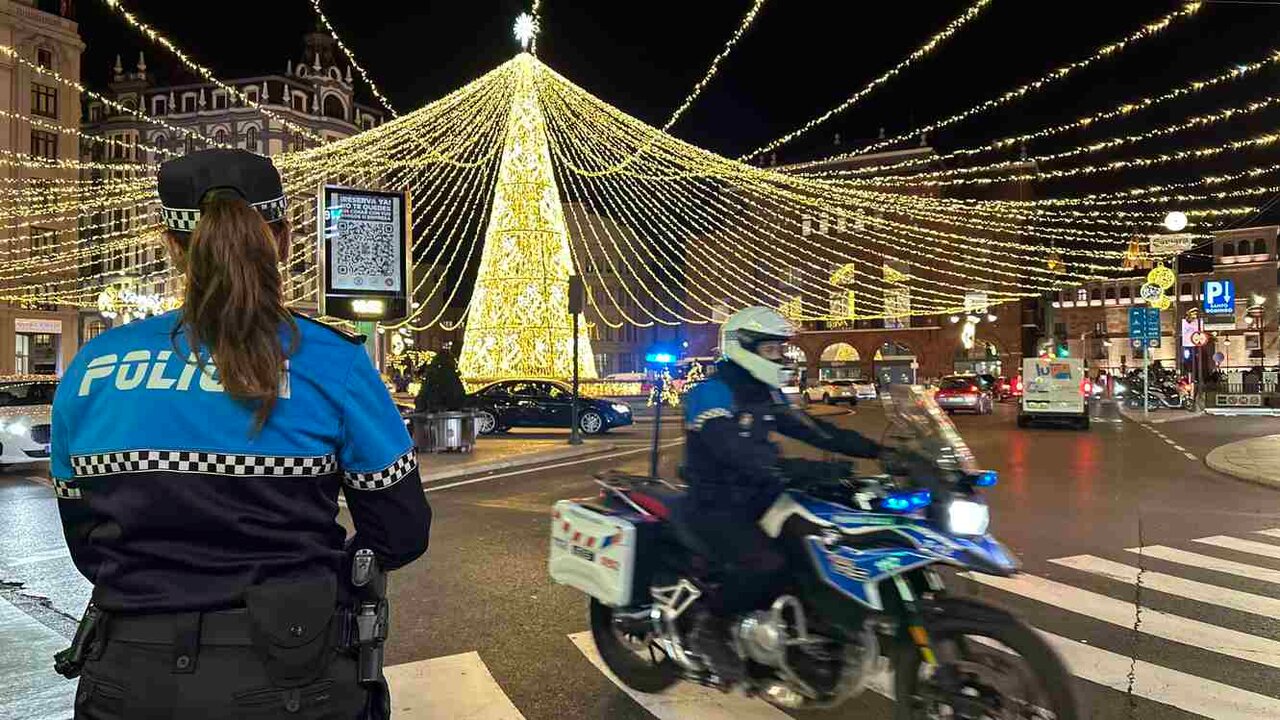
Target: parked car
{"x": 965, "y": 392}
{"x": 831, "y": 392}
{"x": 864, "y": 389}
{"x": 26, "y": 404}
{"x": 1006, "y": 388}
{"x": 506, "y": 404}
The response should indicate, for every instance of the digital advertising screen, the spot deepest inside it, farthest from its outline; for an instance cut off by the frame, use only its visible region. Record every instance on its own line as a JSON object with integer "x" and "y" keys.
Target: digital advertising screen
{"x": 364, "y": 253}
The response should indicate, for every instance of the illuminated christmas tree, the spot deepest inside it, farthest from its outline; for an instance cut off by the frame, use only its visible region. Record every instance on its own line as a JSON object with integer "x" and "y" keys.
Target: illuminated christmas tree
{"x": 519, "y": 323}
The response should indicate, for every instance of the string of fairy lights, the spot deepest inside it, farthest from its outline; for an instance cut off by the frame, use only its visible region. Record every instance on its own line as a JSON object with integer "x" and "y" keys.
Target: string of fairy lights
{"x": 664, "y": 231}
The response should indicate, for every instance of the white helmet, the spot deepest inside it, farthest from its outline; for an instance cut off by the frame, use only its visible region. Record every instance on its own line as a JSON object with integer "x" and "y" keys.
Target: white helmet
{"x": 745, "y": 330}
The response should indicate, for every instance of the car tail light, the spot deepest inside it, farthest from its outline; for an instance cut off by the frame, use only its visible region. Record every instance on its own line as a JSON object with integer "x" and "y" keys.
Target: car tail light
{"x": 973, "y": 388}
{"x": 1086, "y": 387}
{"x": 1017, "y": 384}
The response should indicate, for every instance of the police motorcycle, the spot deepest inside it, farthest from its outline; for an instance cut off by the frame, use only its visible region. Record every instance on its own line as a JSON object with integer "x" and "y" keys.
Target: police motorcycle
{"x": 865, "y": 606}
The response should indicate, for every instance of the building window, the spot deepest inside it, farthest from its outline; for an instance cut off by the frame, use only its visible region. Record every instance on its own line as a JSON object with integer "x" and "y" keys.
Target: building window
{"x": 806, "y": 226}
{"x": 189, "y": 103}
{"x": 93, "y": 329}
{"x": 300, "y": 102}
{"x": 44, "y": 144}
{"x": 43, "y": 241}
{"x": 251, "y": 94}
{"x": 159, "y": 105}
{"x": 1228, "y": 249}
{"x": 1124, "y": 293}
{"x": 44, "y": 100}
{"x": 1060, "y": 330}
{"x": 1082, "y": 295}
{"x": 1111, "y": 294}
{"x": 1095, "y": 294}
{"x": 251, "y": 139}
{"x": 220, "y": 137}
{"x": 824, "y": 222}
{"x": 44, "y": 58}
{"x": 334, "y": 108}
{"x": 219, "y": 101}
{"x": 1185, "y": 289}
{"x": 95, "y": 113}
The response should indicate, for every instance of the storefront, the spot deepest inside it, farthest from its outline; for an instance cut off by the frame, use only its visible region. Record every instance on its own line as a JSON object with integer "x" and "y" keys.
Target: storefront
{"x": 37, "y": 346}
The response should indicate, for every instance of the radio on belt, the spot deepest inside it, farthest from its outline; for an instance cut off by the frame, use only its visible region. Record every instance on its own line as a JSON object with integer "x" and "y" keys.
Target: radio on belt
{"x": 364, "y": 253}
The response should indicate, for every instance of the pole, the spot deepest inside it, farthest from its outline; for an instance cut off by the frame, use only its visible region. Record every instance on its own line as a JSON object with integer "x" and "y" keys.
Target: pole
{"x": 1177, "y": 318}
{"x": 1146, "y": 384}
{"x": 657, "y": 424}
{"x": 370, "y": 331}
{"x": 575, "y": 436}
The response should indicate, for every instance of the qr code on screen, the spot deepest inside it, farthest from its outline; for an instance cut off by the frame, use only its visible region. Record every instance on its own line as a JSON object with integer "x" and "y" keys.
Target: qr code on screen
{"x": 367, "y": 249}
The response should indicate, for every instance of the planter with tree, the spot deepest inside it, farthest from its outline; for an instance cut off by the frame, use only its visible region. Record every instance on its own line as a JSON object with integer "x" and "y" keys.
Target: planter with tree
{"x": 441, "y": 420}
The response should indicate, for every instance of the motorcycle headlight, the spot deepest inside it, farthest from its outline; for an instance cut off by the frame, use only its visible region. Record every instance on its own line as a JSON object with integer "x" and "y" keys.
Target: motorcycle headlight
{"x": 966, "y": 517}
{"x": 620, "y": 408}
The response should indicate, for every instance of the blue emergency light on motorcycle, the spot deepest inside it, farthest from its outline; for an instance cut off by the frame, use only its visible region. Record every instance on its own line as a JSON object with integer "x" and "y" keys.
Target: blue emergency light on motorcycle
{"x": 986, "y": 478}
{"x": 906, "y": 501}
{"x": 659, "y": 358}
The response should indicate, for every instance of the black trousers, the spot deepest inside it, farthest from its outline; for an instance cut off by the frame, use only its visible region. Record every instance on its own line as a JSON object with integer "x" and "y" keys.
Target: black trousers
{"x": 137, "y": 681}
{"x": 747, "y": 564}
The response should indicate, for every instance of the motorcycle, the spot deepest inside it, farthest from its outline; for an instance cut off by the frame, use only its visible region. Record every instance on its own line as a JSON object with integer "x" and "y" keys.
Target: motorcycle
{"x": 863, "y": 586}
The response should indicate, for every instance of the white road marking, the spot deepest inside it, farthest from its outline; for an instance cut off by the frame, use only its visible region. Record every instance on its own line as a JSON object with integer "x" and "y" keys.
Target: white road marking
{"x": 1275, "y": 532}
{"x": 454, "y": 687}
{"x": 1191, "y": 693}
{"x": 36, "y": 557}
{"x": 1179, "y": 448}
{"x": 1154, "y": 622}
{"x": 1190, "y": 456}
{"x": 1252, "y": 547}
{"x": 1173, "y": 585}
{"x": 540, "y": 468}
{"x": 1208, "y": 562}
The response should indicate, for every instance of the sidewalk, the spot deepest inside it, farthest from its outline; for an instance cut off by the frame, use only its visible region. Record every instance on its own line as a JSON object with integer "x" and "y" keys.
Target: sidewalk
{"x": 504, "y": 453}
{"x": 1256, "y": 459}
{"x": 31, "y": 690}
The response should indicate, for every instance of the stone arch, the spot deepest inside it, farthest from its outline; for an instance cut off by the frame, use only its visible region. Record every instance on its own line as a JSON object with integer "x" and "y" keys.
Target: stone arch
{"x": 839, "y": 360}
{"x": 333, "y": 105}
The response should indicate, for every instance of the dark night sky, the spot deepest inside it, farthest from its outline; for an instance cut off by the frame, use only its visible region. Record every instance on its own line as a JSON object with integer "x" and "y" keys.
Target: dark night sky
{"x": 800, "y": 58}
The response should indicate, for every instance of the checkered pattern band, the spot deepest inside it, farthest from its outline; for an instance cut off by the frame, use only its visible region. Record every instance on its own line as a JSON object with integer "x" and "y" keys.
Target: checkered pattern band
{"x": 202, "y": 462}
{"x": 65, "y": 489}
{"x": 184, "y": 220}
{"x": 711, "y": 414}
{"x": 384, "y": 478}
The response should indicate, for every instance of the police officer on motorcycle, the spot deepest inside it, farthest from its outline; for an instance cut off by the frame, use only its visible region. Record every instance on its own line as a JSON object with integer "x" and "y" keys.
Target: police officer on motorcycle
{"x": 197, "y": 457}
{"x": 735, "y": 471}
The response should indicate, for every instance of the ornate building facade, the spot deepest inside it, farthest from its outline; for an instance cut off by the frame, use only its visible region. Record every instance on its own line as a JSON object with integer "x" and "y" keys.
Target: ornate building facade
{"x": 315, "y": 91}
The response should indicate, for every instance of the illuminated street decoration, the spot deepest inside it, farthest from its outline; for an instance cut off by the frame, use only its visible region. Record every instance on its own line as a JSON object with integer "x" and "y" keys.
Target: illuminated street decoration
{"x": 519, "y": 323}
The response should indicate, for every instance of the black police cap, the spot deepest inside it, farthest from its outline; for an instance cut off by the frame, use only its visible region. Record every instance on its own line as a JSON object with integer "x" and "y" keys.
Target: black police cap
{"x": 186, "y": 181}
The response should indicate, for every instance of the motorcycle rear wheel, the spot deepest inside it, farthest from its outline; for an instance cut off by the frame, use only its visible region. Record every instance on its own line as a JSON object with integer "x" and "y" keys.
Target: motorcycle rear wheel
{"x": 637, "y": 660}
{"x": 962, "y": 634}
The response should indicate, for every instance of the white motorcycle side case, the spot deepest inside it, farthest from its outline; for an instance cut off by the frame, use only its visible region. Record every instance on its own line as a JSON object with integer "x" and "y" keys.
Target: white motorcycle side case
{"x": 593, "y": 552}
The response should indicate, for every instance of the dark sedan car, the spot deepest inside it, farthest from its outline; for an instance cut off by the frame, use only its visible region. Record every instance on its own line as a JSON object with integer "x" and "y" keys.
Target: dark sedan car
{"x": 543, "y": 403}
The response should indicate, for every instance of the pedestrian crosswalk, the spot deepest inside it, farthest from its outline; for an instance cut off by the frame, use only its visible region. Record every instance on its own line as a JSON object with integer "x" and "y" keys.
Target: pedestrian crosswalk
{"x": 1089, "y": 589}
{"x": 1208, "y": 616}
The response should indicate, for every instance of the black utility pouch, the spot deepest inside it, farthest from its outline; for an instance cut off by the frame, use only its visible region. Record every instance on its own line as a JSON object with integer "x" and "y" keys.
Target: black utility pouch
{"x": 293, "y": 627}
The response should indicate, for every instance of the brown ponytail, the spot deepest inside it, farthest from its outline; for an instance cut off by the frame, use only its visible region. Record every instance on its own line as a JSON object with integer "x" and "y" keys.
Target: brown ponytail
{"x": 234, "y": 303}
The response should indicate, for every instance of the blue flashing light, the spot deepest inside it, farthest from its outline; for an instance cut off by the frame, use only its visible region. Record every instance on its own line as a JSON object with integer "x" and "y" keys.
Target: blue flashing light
{"x": 907, "y": 502}
{"x": 986, "y": 478}
{"x": 660, "y": 358}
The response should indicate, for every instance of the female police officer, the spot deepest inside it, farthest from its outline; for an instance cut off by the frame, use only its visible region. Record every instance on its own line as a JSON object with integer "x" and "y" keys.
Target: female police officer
{"x": 197, "y": 457}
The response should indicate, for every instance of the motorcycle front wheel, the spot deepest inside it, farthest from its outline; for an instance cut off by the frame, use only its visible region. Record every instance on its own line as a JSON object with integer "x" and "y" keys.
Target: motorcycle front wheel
{"x": 990, "y": 665}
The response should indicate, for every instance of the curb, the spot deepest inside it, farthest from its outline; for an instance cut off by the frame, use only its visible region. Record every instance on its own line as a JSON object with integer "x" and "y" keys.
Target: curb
{"x": 521, "y": 460}
{"x": 1136, "y": 416}
{"x": 1216, "y": 460}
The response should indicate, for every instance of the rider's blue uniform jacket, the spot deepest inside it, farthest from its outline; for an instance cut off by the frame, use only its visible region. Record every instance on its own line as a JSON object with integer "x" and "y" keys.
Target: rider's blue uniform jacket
{"x": 731, "y": 463}
{"x": 170, "y": 502}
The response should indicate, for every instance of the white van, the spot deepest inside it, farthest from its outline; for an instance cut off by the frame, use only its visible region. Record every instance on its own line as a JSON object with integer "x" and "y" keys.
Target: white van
{"x": 1054, "y": 389}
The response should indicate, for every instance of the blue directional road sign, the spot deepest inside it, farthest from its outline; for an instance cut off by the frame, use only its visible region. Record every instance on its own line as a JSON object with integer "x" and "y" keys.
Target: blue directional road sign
{"x": 1144, "y": 327}
{"x": 1219, "y": 297}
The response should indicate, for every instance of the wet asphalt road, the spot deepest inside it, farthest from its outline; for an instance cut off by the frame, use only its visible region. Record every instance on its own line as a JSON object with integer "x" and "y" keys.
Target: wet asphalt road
{"x": 483, "y": 586}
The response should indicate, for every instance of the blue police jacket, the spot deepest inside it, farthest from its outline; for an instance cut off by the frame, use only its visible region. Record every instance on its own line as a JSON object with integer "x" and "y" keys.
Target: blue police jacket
{"x": 170, "y": 502}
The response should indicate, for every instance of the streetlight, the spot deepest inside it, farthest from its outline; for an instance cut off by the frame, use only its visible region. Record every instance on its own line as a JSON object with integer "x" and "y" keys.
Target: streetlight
{"x": 1175, "y": 221}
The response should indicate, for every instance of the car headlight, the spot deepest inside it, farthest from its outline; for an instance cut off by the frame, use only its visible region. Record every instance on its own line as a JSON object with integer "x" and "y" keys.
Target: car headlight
{"x": 966, "y": 517}
{"x": 17, "y": 427}
{"x": 621, "y": 408}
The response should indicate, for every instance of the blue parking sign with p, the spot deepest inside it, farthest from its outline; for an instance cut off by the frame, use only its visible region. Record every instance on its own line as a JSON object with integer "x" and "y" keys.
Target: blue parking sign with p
{"x": 1219, "y": 297}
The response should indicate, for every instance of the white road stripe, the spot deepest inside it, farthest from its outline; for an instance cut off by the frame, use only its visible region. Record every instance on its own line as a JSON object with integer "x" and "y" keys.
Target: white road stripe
{"x": 1173, "y": 585}
{"x": 1191, "y": 693}
{"x": 1208, "y": 562}
{"x": 1252, "y": 547}
{"x": 1159, "y": 624}
{"x": 1190, "y": 456}
{"x": 1275, "y": 532}
{"x": 454, "y": 687}
{"x": 36, "y": 557}
{"x": 539, "y": 468}
{"x": 1179, "y": 448}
